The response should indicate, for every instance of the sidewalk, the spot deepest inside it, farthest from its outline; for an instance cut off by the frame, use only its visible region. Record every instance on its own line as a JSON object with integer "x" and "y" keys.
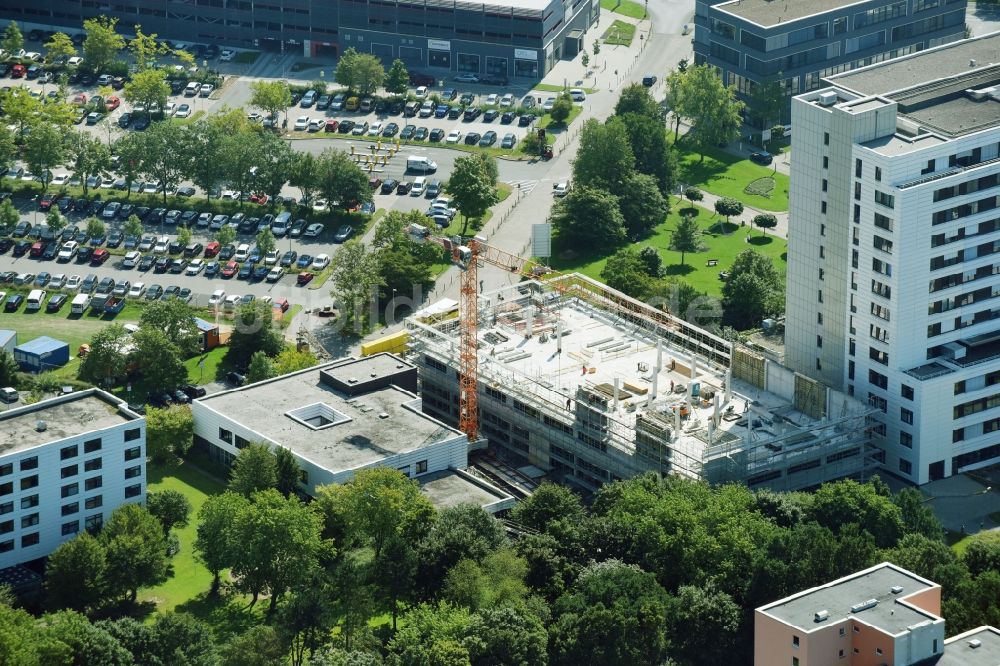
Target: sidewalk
{"x": 781, "y": 231}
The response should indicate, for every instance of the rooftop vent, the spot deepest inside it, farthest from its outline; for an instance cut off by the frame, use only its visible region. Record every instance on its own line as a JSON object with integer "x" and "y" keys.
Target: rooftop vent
{"x": 979, "y": 94}
{"x": 383, "y": 415}
{"x": 864, "y": 605}
{"x": 317, "y": 416}
{"x": 822, "y": 616}
{"x": 827, "y": 98}
{"x": 974, "y": 643}
{"x": 896, "y": 589}
{"x": 972, "y": 62}
{"x": 40, "y": 425}
{"x": 373, "y": 375}
{"x": 352, "y": 380}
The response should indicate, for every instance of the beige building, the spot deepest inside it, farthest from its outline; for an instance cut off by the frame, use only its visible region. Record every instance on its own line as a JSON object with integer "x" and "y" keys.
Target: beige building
{"x": 882, "y": 616}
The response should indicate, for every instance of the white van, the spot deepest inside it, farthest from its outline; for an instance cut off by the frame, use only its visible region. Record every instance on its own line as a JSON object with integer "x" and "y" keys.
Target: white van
{"x": 35, "y": 299}
{"x": 577, "y": 95}
{"x": 242, "y": 252}
{"x": 419, "y": 184}
{"x": 421, "y": 164}
{"x": 80, "y": 304}
{"x": 281, "y": 223}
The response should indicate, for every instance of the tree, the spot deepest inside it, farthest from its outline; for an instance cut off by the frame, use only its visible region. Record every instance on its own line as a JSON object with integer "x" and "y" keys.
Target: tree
{"x": 214, "y": 543}
{"x": 918, "y": 517}
{"x": 133, "y": 227}
{"x": 676, "y": 88}
{"x": 585, "y": 59}
{"x": 181, "y": 638}
{"x": 356, "y": 277}
{"x": 44, "y": 150}
{"x": 765, "y": 221}
{"x": 102, "y": 44}
{"x": 710, "y": 107}
{"x": 74, "y": 574}
{"x": 754, "y": 290}
{"x": 184, "y": 236}
{"x": 693, "y": 194}
{"x": 859, "y": 503}
{"x": 9, "y": 216}
{"x": 83, "y": 642}
{"x": 728, "y": 206}
{"x": 340, "y": 180}
{"x": 306, "y": 619}
{"x": 158, "y": 359}
{"x": 260, "y": 368}
{"x": 686, "y": 237}
{"x": 473, "y": 186}
{"x": 105, "y": 363}
{"x": 361, "y": 72}
{"x": 95, "y": 227}
{"x": 588, "y": 218}
{"x": 497, "y": 580}
{"x": 275, "y": 160}
{"x": 397, "y": 79}
{"x": 8, "y": 369}
{"x": 508, "y": 635}
{"x": 162, "y": 153}
{"x": 169, "y": 432}
{"x": 170, "y": 507}
{"x": 777, "y": 133}
{"x": 149, "y": 88}
{"x": 376, "y": 505}
{"x": 604, "y": 159}
{"x": 136, "y": 551}
{"x": 704, "y": 625}
{"x": 304, "y": 174}
{"x": 59, "y": 47}
{"x": 253, "y": 331}
{"x": 257, "y": 646}
{"x": 175, "y": 319}
{"x": 765, "y": 101}
{"x": 13, "y": 40}
{"x": 643, "y": 206}
{"x": 271, "y": 97}
{"x": 649, "y": 145}
{"x": 206, "y": 137}
{"x": 292, "y": 360}
{"x": 88, "y": 156}
{"x": 145, "y": 50}
{"x": 287, "y": 471}
{"x": 561, "y": 109}
{"x": 635, "y": 99}
{"x": 435, "y": 635}
{"x": 265, "y": 241}
{"x": 982, "y": 553}
{"x": 55, "y": 221}
{"x": 255, "y": 469}
{"x": 549, "y": 503}
{"x": 628, "y": 273}
{"x": 462, "y": 532}
{"x": 22, "y": 110}
{"x": 226, "y": 236}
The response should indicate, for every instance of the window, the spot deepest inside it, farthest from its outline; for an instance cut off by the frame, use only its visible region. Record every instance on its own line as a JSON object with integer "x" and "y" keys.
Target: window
{"x": 906, "y": 391}
{"x": 29, "y": 482}
{"x": 6, "y": 527}
{"x": 795, "y": 661}
{"x": 67, "y": 452}
{"x": 821, "y": 273}
{"x": 70, "y": 509}
{"x": 826, "y": 138}
{"x": 30, "y": 520}
{"x": 7, "y": 468}
{"x": 93, "y": 483}
{"x": 883, "y": 222}
{"x": 905, "y": 466}
{"x": 6, "y": 546}
{"x": 92, "y": 465}
{"x": 133, "y": 491}
{"x": 883, "y": 244}
{"x": 819, "y": 364}
{"x": 133, "y": 453}
{"x": 95, "y": 502}
{"x": 819, "y": 317}
{"x": 825, "y": 185}
{"x": 70, "y": 528}
{"x": 132, "y": 472}
{"x": 6, "y": 488}
{"x": 822, "y": 209}
{"x": 878, "y": 174}
{"x": 819, "y": 341}
{"x": 884, "y": 199}
{"x": 826, "y": 162}
{"x": 905, "y": 415}
{"x": 132, "y": 434}
{"x": 878, "y": 356}
{"x": 29, "y": 540}
{"x": 857, "y": 631}
{"x": 68, "y": 471}
{"x": 957, "y": 435}
{"x": 906, "y": 439}
{"x": 795, "y": 641}
{"x": 29, "y": 463}
{"x": 70, "y": 489}
{"x": 878, "y": 379}
{"x": 421, "y": 466}
{"x": 29, "y": 502}
{"x": 843, "y": 632}
{"x": 857, "y": 191}
{"x": 822, "y": 252}
{"x": 225, "y": 436}
{"x": 6, "y": 507}
{"x": 93, "y": 523}
{"x": 92, "y": 445}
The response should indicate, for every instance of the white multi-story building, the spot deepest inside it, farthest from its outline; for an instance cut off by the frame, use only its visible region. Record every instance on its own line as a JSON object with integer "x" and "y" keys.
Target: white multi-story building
{"x": 65, "y": 465}
{"x": 894, "y": 252}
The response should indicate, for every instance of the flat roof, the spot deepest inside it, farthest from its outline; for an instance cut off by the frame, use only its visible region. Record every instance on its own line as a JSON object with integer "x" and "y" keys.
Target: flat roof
{"x": 958, "y": 652}
{"x": 960, "y": 115}
{"x": 769, "y": 13}
{"x": 837, "y": 597}
{"x": 449, "y": 488}
{"x": 64, "y": 416}
{"x": 368, "y": 427}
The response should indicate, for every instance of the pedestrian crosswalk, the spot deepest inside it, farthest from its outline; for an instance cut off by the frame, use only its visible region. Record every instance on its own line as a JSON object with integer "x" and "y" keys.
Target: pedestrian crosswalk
{"x": 525, "y": 186}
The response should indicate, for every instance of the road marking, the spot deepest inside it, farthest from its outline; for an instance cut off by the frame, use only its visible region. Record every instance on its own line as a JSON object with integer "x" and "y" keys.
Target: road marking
{"x": 526, "y": 186}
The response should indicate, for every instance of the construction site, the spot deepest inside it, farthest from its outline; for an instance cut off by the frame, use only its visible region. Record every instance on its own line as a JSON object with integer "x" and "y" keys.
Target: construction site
{"x": 569, "y": 378}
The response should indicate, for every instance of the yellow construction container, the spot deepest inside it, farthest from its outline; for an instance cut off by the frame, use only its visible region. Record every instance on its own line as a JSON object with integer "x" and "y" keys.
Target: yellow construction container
{"x": 395, "y": 343}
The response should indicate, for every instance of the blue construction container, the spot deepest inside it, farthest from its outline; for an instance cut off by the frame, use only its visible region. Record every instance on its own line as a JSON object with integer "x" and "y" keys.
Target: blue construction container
{"x": 42, "y": 353}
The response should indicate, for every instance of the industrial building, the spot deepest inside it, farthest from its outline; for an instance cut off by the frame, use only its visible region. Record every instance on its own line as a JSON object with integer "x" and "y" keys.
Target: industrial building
{"x": 893, "y": 271}
{"x": 42, "y": 353}
{"x": 65, "y": 465}
{"x": 592, "y": 386}
{"x": 341, "y": 417}
{"x": 881, "y": 615}
{"x": 801, "y": 42}
{"x": 521, "y": 38}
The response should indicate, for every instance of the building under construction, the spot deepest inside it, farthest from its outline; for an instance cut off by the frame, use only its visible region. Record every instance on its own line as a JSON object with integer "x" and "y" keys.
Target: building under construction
{"x": 589, "y": 385}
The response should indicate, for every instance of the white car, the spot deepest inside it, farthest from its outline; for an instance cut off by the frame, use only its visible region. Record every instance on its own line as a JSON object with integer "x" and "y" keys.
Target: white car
{"x": 275, "y": 274}
{"x": 507, "y": 100}
{"x": 301, "y": 123}
{"x": 492, "y": 99}
{"x": 60, "y": 179}
{"x": 57, "y": 281}
{"x": 68, "y": 251}
{"x": 454, "y": 136}
{"x": 206, "y": 90}
{"x": 170, "y": 109}
{"x": 560, "y": 189}
{"x": 321, "y": 261}
{"x": 316, "y": 124}
{"x": 549, "y": 103}
{"x": 271, "y": 258}
{"x": 195, "y": 267}
{"x": 313, "y": 230}
{"x": 255, "y": 117}
{"x": 467, "y": 78}
{"x": 192, "y": 89}
{"x": 3, "y": 296}
{"x": 162, "y": 243}
{"x": 421, "y": 92}
{"x": 374, "y": 129}
{"x": 227, "y": 55}
{"x": 73, "y": 283}
{"x": 150, "y": 188}
{"x": 131, "y": 259}
{"x": 137, "y": 290}
{"x": 232, "y": 301}
{"x": 147, "y": 243}
{"x": 74, "y": 61}
{"x": 242, "y": 252}
{"x": 217, "y": 297}
{"x": 183, "y": 111}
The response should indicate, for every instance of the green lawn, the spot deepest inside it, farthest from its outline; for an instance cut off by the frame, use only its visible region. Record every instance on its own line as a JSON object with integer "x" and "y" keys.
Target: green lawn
{"x": 551, "y": 87}
{"x": 247, "y": 57}
{"x": 625, "y": 8}
{"x": 546, "y": 120}
{"x": 727, "y": 175}
{"x": 214, "y": 366}
{"x": 722, "y": 247}
{"x": 619, "y": 33}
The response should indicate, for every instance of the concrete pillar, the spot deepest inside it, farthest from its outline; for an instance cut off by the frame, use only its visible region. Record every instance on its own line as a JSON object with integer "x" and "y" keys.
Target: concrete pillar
{"x": 559, "y": 335}
{"x": 656, "y": 381}
{"x": 729, "y": 385}
{"x": 617, "y": 381}
{"x": 659, "y": 355}
{"x": 715, "y": 409}
{"x": 530, "y": 319}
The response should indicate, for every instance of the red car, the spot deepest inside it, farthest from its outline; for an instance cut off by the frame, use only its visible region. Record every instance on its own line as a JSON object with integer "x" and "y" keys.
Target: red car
{"x": 305, "y": 277}
{"x": 46, "y": 202}
{"x": 18, "y": 71}
{"x": 80, "y": 99}
{"x": 99, "y": 257}
{"x": 113, "y": 103}
{"x": 38, "y": 248}
{"x": 331, "y": 125}
{"x": 212, "y": 249}
{"x": 259, "y": 198}
{"x": 230, "y": 269}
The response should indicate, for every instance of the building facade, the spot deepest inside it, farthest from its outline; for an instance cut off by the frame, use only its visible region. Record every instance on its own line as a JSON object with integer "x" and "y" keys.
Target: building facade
{"x": 523, "y": 38}
{"x": 65, "y": 465}
{"x": 876, "y": 617}
{"x": 802, "y": 42}
{"x": 893, "y": 272}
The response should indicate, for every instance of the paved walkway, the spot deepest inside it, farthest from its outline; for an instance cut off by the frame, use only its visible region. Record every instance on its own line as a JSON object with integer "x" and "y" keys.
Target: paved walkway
{"x": 746, "y": 218}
